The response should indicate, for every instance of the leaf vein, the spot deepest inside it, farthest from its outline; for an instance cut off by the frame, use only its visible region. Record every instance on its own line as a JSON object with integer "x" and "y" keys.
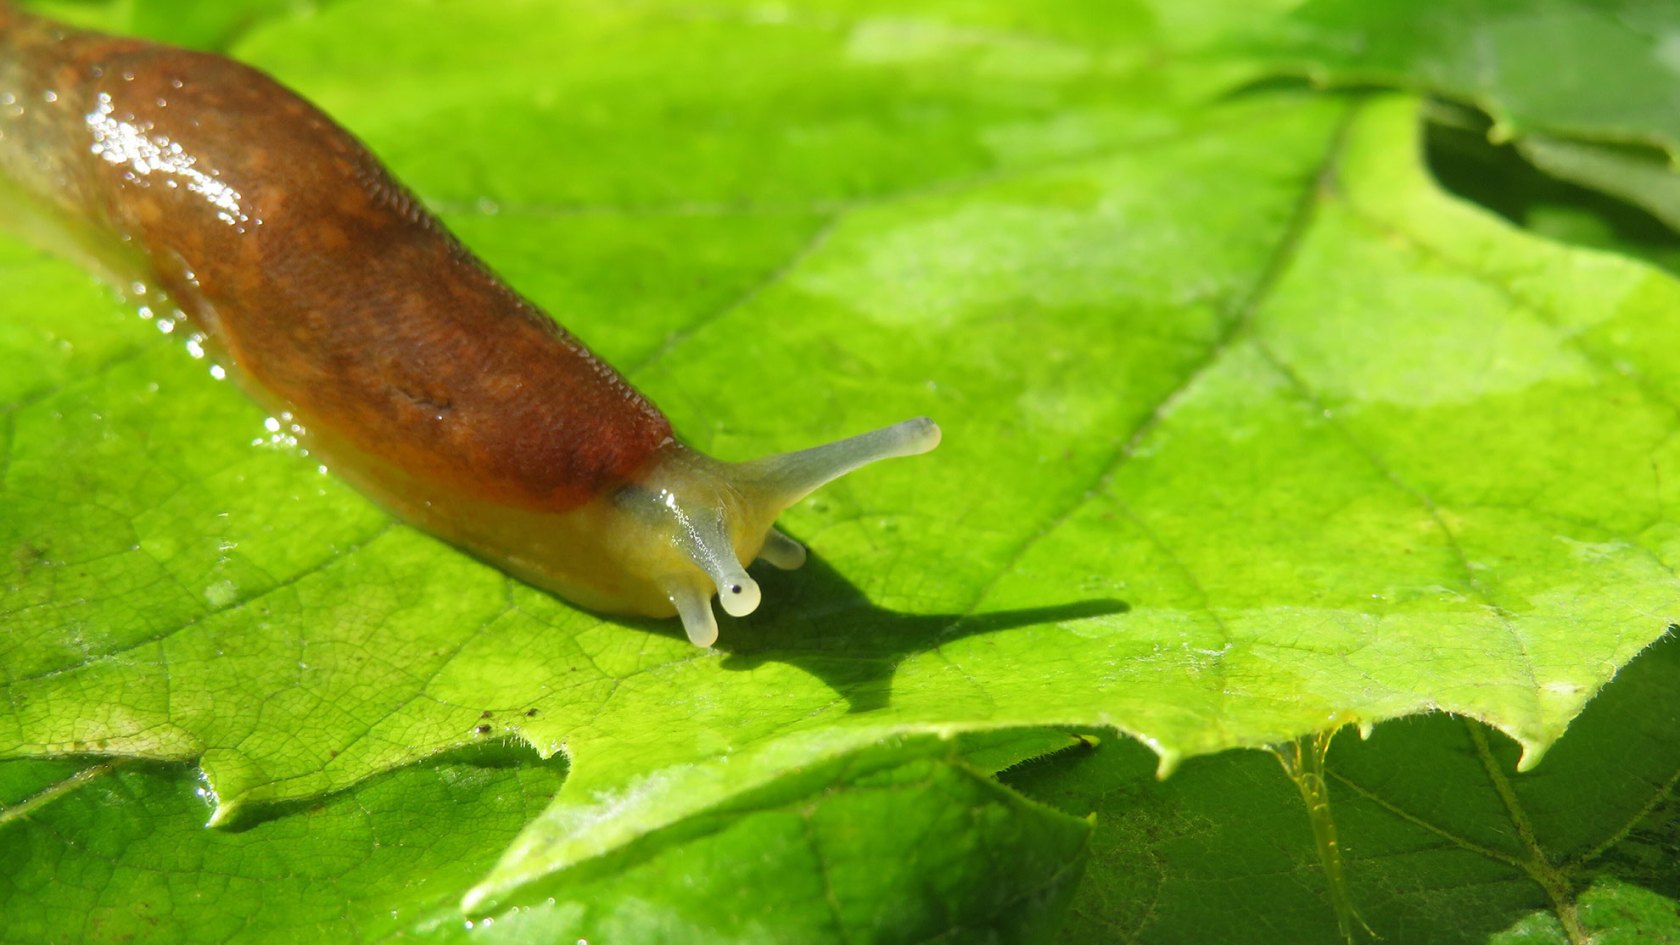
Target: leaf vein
{"x": 294, "y": 579}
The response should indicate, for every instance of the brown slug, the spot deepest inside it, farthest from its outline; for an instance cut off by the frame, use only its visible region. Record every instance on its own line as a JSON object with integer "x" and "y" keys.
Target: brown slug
{"x": 413, "y": 372}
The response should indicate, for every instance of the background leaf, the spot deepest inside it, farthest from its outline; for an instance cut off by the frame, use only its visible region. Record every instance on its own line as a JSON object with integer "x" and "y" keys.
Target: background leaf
{"x": 128, "y": 859}
{"x": 1444, "y": 843}
{"x": 1588, "y": 91}
{"x": 1596, "y": 207}
{"x": 1606, "y": 71}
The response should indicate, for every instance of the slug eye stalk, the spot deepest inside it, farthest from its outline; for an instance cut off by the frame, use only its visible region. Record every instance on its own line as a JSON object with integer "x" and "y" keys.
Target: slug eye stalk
{"x": 719, "y": 514}
{"x": 785, "y": 478}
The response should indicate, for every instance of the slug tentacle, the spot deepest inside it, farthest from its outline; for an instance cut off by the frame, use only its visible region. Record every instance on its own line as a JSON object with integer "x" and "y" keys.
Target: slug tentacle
{"x": 704, "y": 538}
{"x": 788, "y": 477}
{"x": 694, "y": 607}
{"x": 783, "y": 552}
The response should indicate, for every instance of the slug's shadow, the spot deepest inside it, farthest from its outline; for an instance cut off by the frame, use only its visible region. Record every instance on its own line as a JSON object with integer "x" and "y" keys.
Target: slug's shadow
{"x": 818, "y": 621}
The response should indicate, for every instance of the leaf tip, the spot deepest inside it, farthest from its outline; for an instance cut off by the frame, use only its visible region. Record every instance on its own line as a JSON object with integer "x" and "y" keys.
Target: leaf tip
{"x": 1532, "y": 753}
{"x": 1167, "y": 762}
{"x": 476, "y": 898}
{"x": 225, "y": 813}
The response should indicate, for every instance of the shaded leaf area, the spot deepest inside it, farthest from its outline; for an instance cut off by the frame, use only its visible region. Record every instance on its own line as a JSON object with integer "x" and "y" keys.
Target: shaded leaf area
{"x": 1634, "y": 176}
{"x": 1250, "y": 430}
{"x": 1442, "y": 841}
{"x": 1605, "y": 71}
{"x": 1588, "y": 92}
{"x": 127, "y": 858}
{"x": 1569, "y": 191}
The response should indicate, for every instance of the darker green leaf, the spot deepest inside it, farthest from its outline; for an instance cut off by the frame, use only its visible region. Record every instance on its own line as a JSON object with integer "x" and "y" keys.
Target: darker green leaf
{"x": 1442, "y": 842}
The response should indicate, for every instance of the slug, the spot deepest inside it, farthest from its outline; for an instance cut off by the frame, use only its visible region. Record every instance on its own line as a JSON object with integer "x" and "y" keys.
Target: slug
{"x": 332, "y": 296}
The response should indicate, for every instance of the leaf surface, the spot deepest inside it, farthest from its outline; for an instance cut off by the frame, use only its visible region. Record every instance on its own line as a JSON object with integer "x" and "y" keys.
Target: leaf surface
{"x": 1250, "y": 430}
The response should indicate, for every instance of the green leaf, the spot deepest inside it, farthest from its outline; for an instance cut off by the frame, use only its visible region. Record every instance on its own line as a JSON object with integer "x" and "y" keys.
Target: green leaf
{"x": 127, "y": 857}
{"x": 207, "y": 26}
{"x": 1591, "y": 195}
{"x": 1587, "y": 91}
{"x": 1632, "y": 176}
{"x": 1442, "y": 842}
{"x": 1421, "y": 487}
{"x": 965, "y": 859}
{"x": 1613, "y": 913}
{"x": 1250, "y": 430}
{"x": 1606, "y": 71}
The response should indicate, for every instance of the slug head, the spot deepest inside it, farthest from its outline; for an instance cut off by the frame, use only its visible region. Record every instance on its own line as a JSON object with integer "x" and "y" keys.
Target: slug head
{"x": 692, "y": 520}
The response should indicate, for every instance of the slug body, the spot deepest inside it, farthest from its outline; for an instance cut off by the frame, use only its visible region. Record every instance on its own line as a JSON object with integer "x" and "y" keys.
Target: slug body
{"x": 335, "y": 298}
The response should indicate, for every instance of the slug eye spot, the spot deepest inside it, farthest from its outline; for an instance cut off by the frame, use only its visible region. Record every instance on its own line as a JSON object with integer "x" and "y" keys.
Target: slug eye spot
{"x": 739, "y": 598}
